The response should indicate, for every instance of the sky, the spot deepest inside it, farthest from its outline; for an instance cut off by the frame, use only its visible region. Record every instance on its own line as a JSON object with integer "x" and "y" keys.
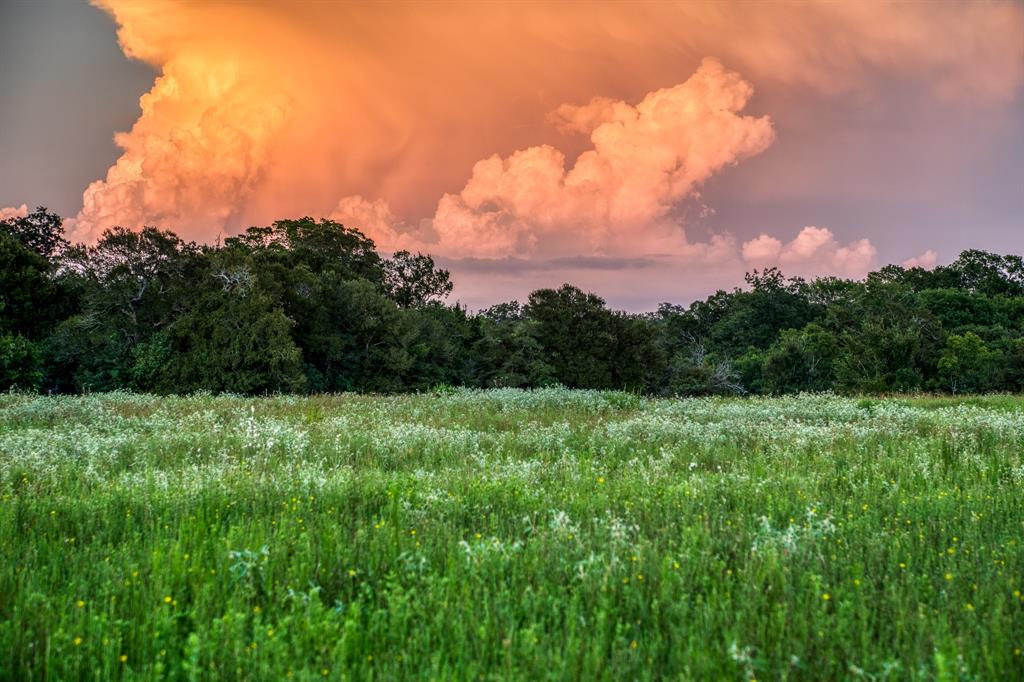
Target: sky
{"x": 644, "y": 151}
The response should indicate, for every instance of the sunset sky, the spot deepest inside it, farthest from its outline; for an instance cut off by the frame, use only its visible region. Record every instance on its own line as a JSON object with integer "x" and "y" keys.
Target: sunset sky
{"x": 647, "y": 152}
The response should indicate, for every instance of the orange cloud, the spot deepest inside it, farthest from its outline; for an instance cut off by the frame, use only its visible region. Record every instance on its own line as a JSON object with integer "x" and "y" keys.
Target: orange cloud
{"x": 926, "y": 260}
{"x": 263, "y": 110}
{"x": 618, "y": 196}
{"x": 13, "y": 212}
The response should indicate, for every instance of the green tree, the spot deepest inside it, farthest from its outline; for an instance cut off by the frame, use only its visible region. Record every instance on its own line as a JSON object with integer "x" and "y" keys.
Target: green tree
{"x": 801, "y": 360}
{"x": 413, "y": 280}
{"x": 31, "y": 300}
{"x": 1013, "y": 369}
{"x": 755, "y": 318}
{"x": 577, "y": 335}
{"x": 237, "y": 341}
{"x": 132, "y": 286}
{"x": 40, "y": 231}
{"x": 506, "y": 352}
{"x": 987, "y": 273}
{"x": 20, "y": 364}
{"x": 967, "y": 365}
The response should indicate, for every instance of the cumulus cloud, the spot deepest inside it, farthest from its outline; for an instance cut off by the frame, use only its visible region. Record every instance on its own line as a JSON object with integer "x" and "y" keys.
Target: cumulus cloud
{"x": 618, "y": 196}
{"x": 262, "y": 110}
{"x": 814, "y": 251}
{"x": 926, "y": 260}
{"x": 13, "y": 212}
{"x": 376, "y": 220}
{"x": 195, "y": 154}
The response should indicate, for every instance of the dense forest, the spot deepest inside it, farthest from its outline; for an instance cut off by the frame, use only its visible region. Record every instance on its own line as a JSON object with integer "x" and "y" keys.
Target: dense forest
{"x": 308, "y": 306}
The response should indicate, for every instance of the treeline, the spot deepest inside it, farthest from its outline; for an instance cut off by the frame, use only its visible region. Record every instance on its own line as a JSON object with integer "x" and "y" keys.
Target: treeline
{"x": 307, "y": 306}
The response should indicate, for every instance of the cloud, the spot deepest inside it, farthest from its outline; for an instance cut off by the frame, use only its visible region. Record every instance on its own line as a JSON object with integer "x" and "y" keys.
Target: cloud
{"x": 195, "y": 155}
{"x": 814, "y": 251}
{"x": 8, "y": 212}
{"x": 515, "y": 266}
{"x": 926, "y": 260}
{"x": 374, "y": 219}
{"x": 618, "y": 196}
{"x": 263, "y": 110}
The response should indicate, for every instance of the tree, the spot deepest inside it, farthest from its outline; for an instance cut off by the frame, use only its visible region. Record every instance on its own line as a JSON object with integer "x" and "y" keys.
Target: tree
{"x": 20, "y": 364}
{"x": 577, "y": 335}
{"x": 1013, "y": 369}
{"x": 136, "y": 281}
{"x": 967, "y": 365}
{"x": 506, "y": 352}
{"x": 801, "y": 360}
{"x": 437, "y": 341}
{"x": 413, "y": 280}
{"x": 40, "y": 231}
{"x": 638, "y": 363}
{"x": 321, "y": 247}
{"x": 236, "y": 341}
{"x": 31, "y": 301}
{"x": 354, "y": 339}
{"x": 755, "y": 318}
{"x": 981, "y": 272}
{"x": 132, "y": 286}
{"x": 956, "y": 308}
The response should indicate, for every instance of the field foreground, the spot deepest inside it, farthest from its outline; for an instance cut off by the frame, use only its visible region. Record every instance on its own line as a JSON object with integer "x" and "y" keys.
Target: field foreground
{"x": 550, "y": 534}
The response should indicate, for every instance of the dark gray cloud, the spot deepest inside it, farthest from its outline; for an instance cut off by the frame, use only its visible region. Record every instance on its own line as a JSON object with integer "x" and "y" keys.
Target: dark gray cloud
{"x": 513, "y": 266}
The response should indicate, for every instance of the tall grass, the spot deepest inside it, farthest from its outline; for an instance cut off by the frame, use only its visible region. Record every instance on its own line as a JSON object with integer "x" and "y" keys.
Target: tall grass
{"x": 510, "y": 535}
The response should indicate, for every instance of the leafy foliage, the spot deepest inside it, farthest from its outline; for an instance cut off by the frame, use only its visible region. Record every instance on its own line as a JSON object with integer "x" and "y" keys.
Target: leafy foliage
{"x": 309, "y": 305}
{"x": 40, "y": 231}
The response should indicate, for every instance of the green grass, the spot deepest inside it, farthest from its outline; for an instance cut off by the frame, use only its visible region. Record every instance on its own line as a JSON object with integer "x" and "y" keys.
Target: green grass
{"x": 510, "y": 535}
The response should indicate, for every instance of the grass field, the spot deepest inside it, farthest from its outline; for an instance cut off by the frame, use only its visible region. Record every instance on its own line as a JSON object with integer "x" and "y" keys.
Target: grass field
{"x": 551, "y": 534}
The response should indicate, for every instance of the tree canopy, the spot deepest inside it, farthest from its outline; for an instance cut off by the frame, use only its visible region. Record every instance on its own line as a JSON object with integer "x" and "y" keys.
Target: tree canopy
{"x": 311, "y": 305}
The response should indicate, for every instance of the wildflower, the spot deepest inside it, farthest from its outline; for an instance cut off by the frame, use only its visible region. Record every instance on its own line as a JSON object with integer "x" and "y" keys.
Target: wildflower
{"x": 351, "y": 572}
{"x": 826, "y": 596}
{"x": 949, "y": 576}
{"x": 123, "y": 658}
{"x": 167, "y": 599}
{"x": 600, "y": 480}
{"x": 633, "y": 644}
{"x": 856, "y": 582}
{"x": 969, "y": 606}
{"x": 80, "y": 603}
{"x": 77, "y": 641}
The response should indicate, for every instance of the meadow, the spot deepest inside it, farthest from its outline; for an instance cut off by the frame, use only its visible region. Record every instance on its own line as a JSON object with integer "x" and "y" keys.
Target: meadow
{"x": 506, "y": 534}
